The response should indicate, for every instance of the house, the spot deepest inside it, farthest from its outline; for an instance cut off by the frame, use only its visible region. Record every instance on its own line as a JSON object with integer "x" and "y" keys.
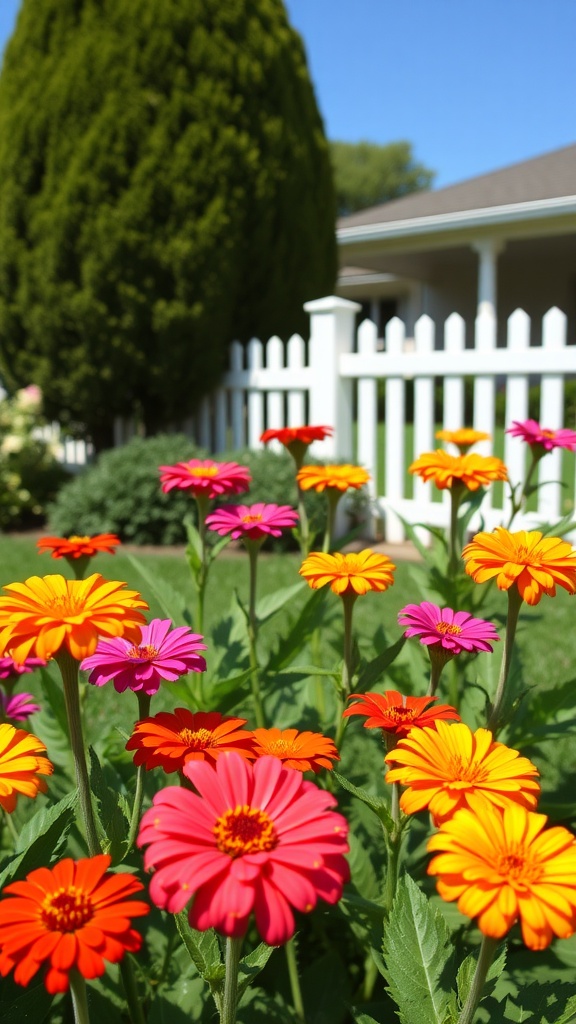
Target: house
{"x": 499, "y": 241}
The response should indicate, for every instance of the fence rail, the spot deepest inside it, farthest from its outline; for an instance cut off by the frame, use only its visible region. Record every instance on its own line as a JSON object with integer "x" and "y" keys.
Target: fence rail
{"x": 334, "y": 379}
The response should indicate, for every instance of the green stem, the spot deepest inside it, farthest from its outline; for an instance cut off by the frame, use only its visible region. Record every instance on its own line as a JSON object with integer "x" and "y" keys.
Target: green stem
{"x": 79, "y": 566}
{"x": 135, "y": 1011}
{"x": 79, "y": 997}
{"x": 292, "y": 962}
{"x": 333, "y": 496}
{"x": 143, "y": 712}
{"x": 437, "y": 666}
{"x": 11, "y": 826}
{"x": 393, "y": 839}
{"x": 304, "y": 531}
{"x": 485, "y": 958}
{"x": 203, "y": 505}
{"x": 454, "y": 546}
{"x": 69, "y": 668}
{"x": 230, "y": 998}
{"x": 517, "y": 504}
{"x": 253, "y": 548}
{"x": 348, "y": 601}
{"x": 514, "y": 605}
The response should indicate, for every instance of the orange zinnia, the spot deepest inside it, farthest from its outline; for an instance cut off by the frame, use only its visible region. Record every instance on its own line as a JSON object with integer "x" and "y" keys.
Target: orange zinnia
{"x": 504, "y": 866}
{"x": 354, "y": 573}
{"x": 441, "y": 768}
{"x": 21, "y": 764}
{"x": 463, "y": 438}
{"x": 446, "y": 471}
{"x": 170, "y": 740}
{"x": 396, "y": 714}
{"x": 334, "y": 478}
{"x": 45, "y": 614}
{"x": 79, "y": 547}
{"x": 304, "y": 751}
{"x": 73, "y": 916}
{"x": 536, "y": 564}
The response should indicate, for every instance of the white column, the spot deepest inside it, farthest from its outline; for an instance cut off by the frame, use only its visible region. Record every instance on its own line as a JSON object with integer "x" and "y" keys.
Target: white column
{"x": 488, "y": 250}
{"x": 331, "y": 333}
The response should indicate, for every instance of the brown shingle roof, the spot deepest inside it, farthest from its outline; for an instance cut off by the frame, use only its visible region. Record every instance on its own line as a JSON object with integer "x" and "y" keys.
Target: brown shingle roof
{"x": 544, "y": 177}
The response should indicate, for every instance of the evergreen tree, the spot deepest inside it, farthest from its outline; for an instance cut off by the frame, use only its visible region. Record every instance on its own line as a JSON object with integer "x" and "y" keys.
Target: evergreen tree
{"x": 165, "y": 187}
{"x": 367, "y": 174}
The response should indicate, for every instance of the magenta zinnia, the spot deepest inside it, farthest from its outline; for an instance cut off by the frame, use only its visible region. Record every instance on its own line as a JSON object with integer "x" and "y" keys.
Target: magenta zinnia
{"x": 535, "y": 435}
{"x": 453, "y": 631}
{"x": 18, "y": 706}
{"x": 204, "y": 478}
{"x": 162, "y": 653}
{"x": 10, "y": 669}
{"x": 252, "y": 521}
{"x": 254, "y": 838}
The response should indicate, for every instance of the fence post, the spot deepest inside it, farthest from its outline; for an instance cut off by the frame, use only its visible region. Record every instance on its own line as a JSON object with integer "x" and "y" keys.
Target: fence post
{"x": 331, "y": 334}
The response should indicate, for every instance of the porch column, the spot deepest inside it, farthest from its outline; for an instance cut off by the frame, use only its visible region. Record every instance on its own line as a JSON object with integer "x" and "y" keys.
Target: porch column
{"x": 488, "y": 250}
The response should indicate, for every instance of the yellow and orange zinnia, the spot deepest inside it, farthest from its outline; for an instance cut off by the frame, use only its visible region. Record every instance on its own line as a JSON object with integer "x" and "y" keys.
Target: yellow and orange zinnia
{"x": 44, "y": 614}
{"x": 303, "y": 751}
{"x": 536, "y": 564}
{"x": 331, "y": 478}
{"x": 447, "y": 471}
{"x": 463, "y": 438}
{"x": 503, "y": 866}
{"x": 79, "y": 547}
{"x": 352, "y": 573}
{"x": 442, "y": 766}
{"x": 22, "y": 762}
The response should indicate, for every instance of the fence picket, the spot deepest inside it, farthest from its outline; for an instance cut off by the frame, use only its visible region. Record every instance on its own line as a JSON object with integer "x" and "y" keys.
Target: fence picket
{"x": 368, "y": 411}
{"x": 395, "y": 418}
{"x": 423, "y": 405}
{"x": 551, "y": 416}
{"x": 237, "y": 397}
{"x": 516, "y": 399}
{"x": 275, "y": 399}
{"x": 255, "y": 398}
{"x": 296, "y": 400}
{"x": 453, "y": 404}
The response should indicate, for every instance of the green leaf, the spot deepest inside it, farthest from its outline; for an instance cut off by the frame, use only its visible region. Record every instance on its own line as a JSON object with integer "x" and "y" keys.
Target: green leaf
{"x": 269, "y": 605}
{"x": 308, "y": 620}
{"x": 113, "y": 812}
{"x": 204, "y": 952}
{"x": 376, "y": 803}
{"x": 251, "y": 965}
{"x": 33, "y": 1005}
{"x": 376, "y": 668}
{"x": 171, "y": 603}
{"x": 540, "y": 1003}
{"x": 466, "y": 971}
{"x": 418, "y": 956}
{"x": 41, "y": 839}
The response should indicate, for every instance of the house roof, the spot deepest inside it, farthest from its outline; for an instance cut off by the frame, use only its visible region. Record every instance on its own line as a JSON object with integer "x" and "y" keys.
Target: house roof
{"x": 546, "y": 177}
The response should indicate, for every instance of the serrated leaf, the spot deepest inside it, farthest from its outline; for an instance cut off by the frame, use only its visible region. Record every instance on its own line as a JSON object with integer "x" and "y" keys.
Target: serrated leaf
{"x": 418, "y": 957}
{"x": 204, "y": 952}
{"x": 467, "y": 969}
{"x": 308, "y": 620}
{"x": 111, "y": 809}
{"x": 375, "y": 803}
{"x": 540, "y": 1003}
{"x": 171, "y": 603}
{"x": 271, "y": 604}
{"x": 40, "y": 839}
{"x": 376, "y": 668}
{"x": 251, "y": 965}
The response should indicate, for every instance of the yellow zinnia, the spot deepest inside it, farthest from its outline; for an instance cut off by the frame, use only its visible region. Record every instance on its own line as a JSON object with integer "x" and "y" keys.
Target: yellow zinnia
{"x": 44, "y": 614}
{"x": 21, "y": 764}
{"x": 536, "y": 564}
{"x": 353, "y": 573}
{"x": 339, "y": 478}
{"x": 504, "y": 866}
{"x": 463, "y": 438}
{"x": 442, "y": 766}
{"x": 446, "y": 471}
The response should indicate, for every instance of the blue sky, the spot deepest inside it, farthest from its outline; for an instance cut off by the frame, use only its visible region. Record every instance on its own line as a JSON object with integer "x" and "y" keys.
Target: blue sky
{"x": 473, "y": 84}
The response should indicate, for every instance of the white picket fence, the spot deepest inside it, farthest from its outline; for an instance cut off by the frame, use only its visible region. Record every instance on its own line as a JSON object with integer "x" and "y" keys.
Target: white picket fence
{"x": 73, "y": 453}
{"x": 276, "y": 385}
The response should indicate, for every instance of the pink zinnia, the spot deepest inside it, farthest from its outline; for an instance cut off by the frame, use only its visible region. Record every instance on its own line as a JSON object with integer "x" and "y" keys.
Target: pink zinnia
{"x": 162, "y": 653}
{"x": 252, "y": 521}
{"x": 18, "y": 707}
{"x": 254, "y": 838}
{"x": 531, "y": 432}
{"x": 454, "y": 631}
{"x": 205, "y": 479}
{"x": 9, "y": 669}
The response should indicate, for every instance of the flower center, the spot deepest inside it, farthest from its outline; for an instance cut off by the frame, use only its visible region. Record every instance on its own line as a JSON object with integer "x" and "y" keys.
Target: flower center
{"x": 245, "y": 830}
{"x": 256, "y": 518}
{"x": 145, "y": 653}
{"x": 464, "y": 773}
{"x": 65, "y": 605}
{"x": 66, "y": 910}
{"x": 197, "y": 739}
{"x": 516, "y": 866}
{"x": 202, "y": 470}
{"x": 78, "y": 540}
{"x": 280, "y": 747}
{"x": 400, "y": 714}
{"x": 524, "y": 556}
{"x": 548, "y": 433}
{"x": 448, "y": 627}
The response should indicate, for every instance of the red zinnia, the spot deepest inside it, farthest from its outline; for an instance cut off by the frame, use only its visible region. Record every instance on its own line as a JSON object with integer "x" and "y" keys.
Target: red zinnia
{"x": 396, "y": 714}
{"x": 254, "y": 522}
{"x": 303, "y": 435}
{"x": 170, "y": 740}
{"x": 205, "y": 479}
{"x": 253, "y": 838}
{"x": 79, "y": 547}
{"x": 304, "y": 751}
{"x": 73, "y": 916}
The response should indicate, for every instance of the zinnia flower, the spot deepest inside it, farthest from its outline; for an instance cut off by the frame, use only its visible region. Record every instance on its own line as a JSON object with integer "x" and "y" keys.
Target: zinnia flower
{"x": 73, "y": 916}
{"x": 10, "y": 669}
{"x": 353, "y": 573}
{"x": 396, "y": 714}
{"x": 170, "y": 740}
{"x": 79, "y": 547}
{"x": 463, "y": 438}
{"x": 205, "y": 479}
{"x": 44, "y": 614}
{"x": 504, "y": 866}
{"x": 447, "y": 471}
{"x": 256, "y": 838}
{"x": 254, "y": 522}
{"x": 453, "y": 631}
{"x": 158, "y": 653}
{"x": 335, "y": 478}
{"x": 303, "y": 435}
{"x": 22, "y": 761}
{"x": 442, "y": 766}
{"x": 535, "y": 435}
{"x": 303, "y": 751}
{"x": 536, "y": 564}
{"x": 18, "y": 706}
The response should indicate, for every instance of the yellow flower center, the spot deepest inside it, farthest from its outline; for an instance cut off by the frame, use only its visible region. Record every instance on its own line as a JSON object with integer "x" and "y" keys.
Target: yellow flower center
{"x": 145, "y": 653}
{"x": 66, "y": 910}
{"x": 548, "y": 433}
{"x": 515, "y": 865}
{"x": 280, "y": 747}
{"x": 256, "y": 518}
{"x": 202, "y": 470}
{"x": 78, "y": 540}
{"x": 400, "y": 714}
{"x": 464, "y": 774}
{"x": 197, "y": 739}
{"x": 244, "y": 830}
{"x": 448, "y": 627}
{"x": 65, "y": 606}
